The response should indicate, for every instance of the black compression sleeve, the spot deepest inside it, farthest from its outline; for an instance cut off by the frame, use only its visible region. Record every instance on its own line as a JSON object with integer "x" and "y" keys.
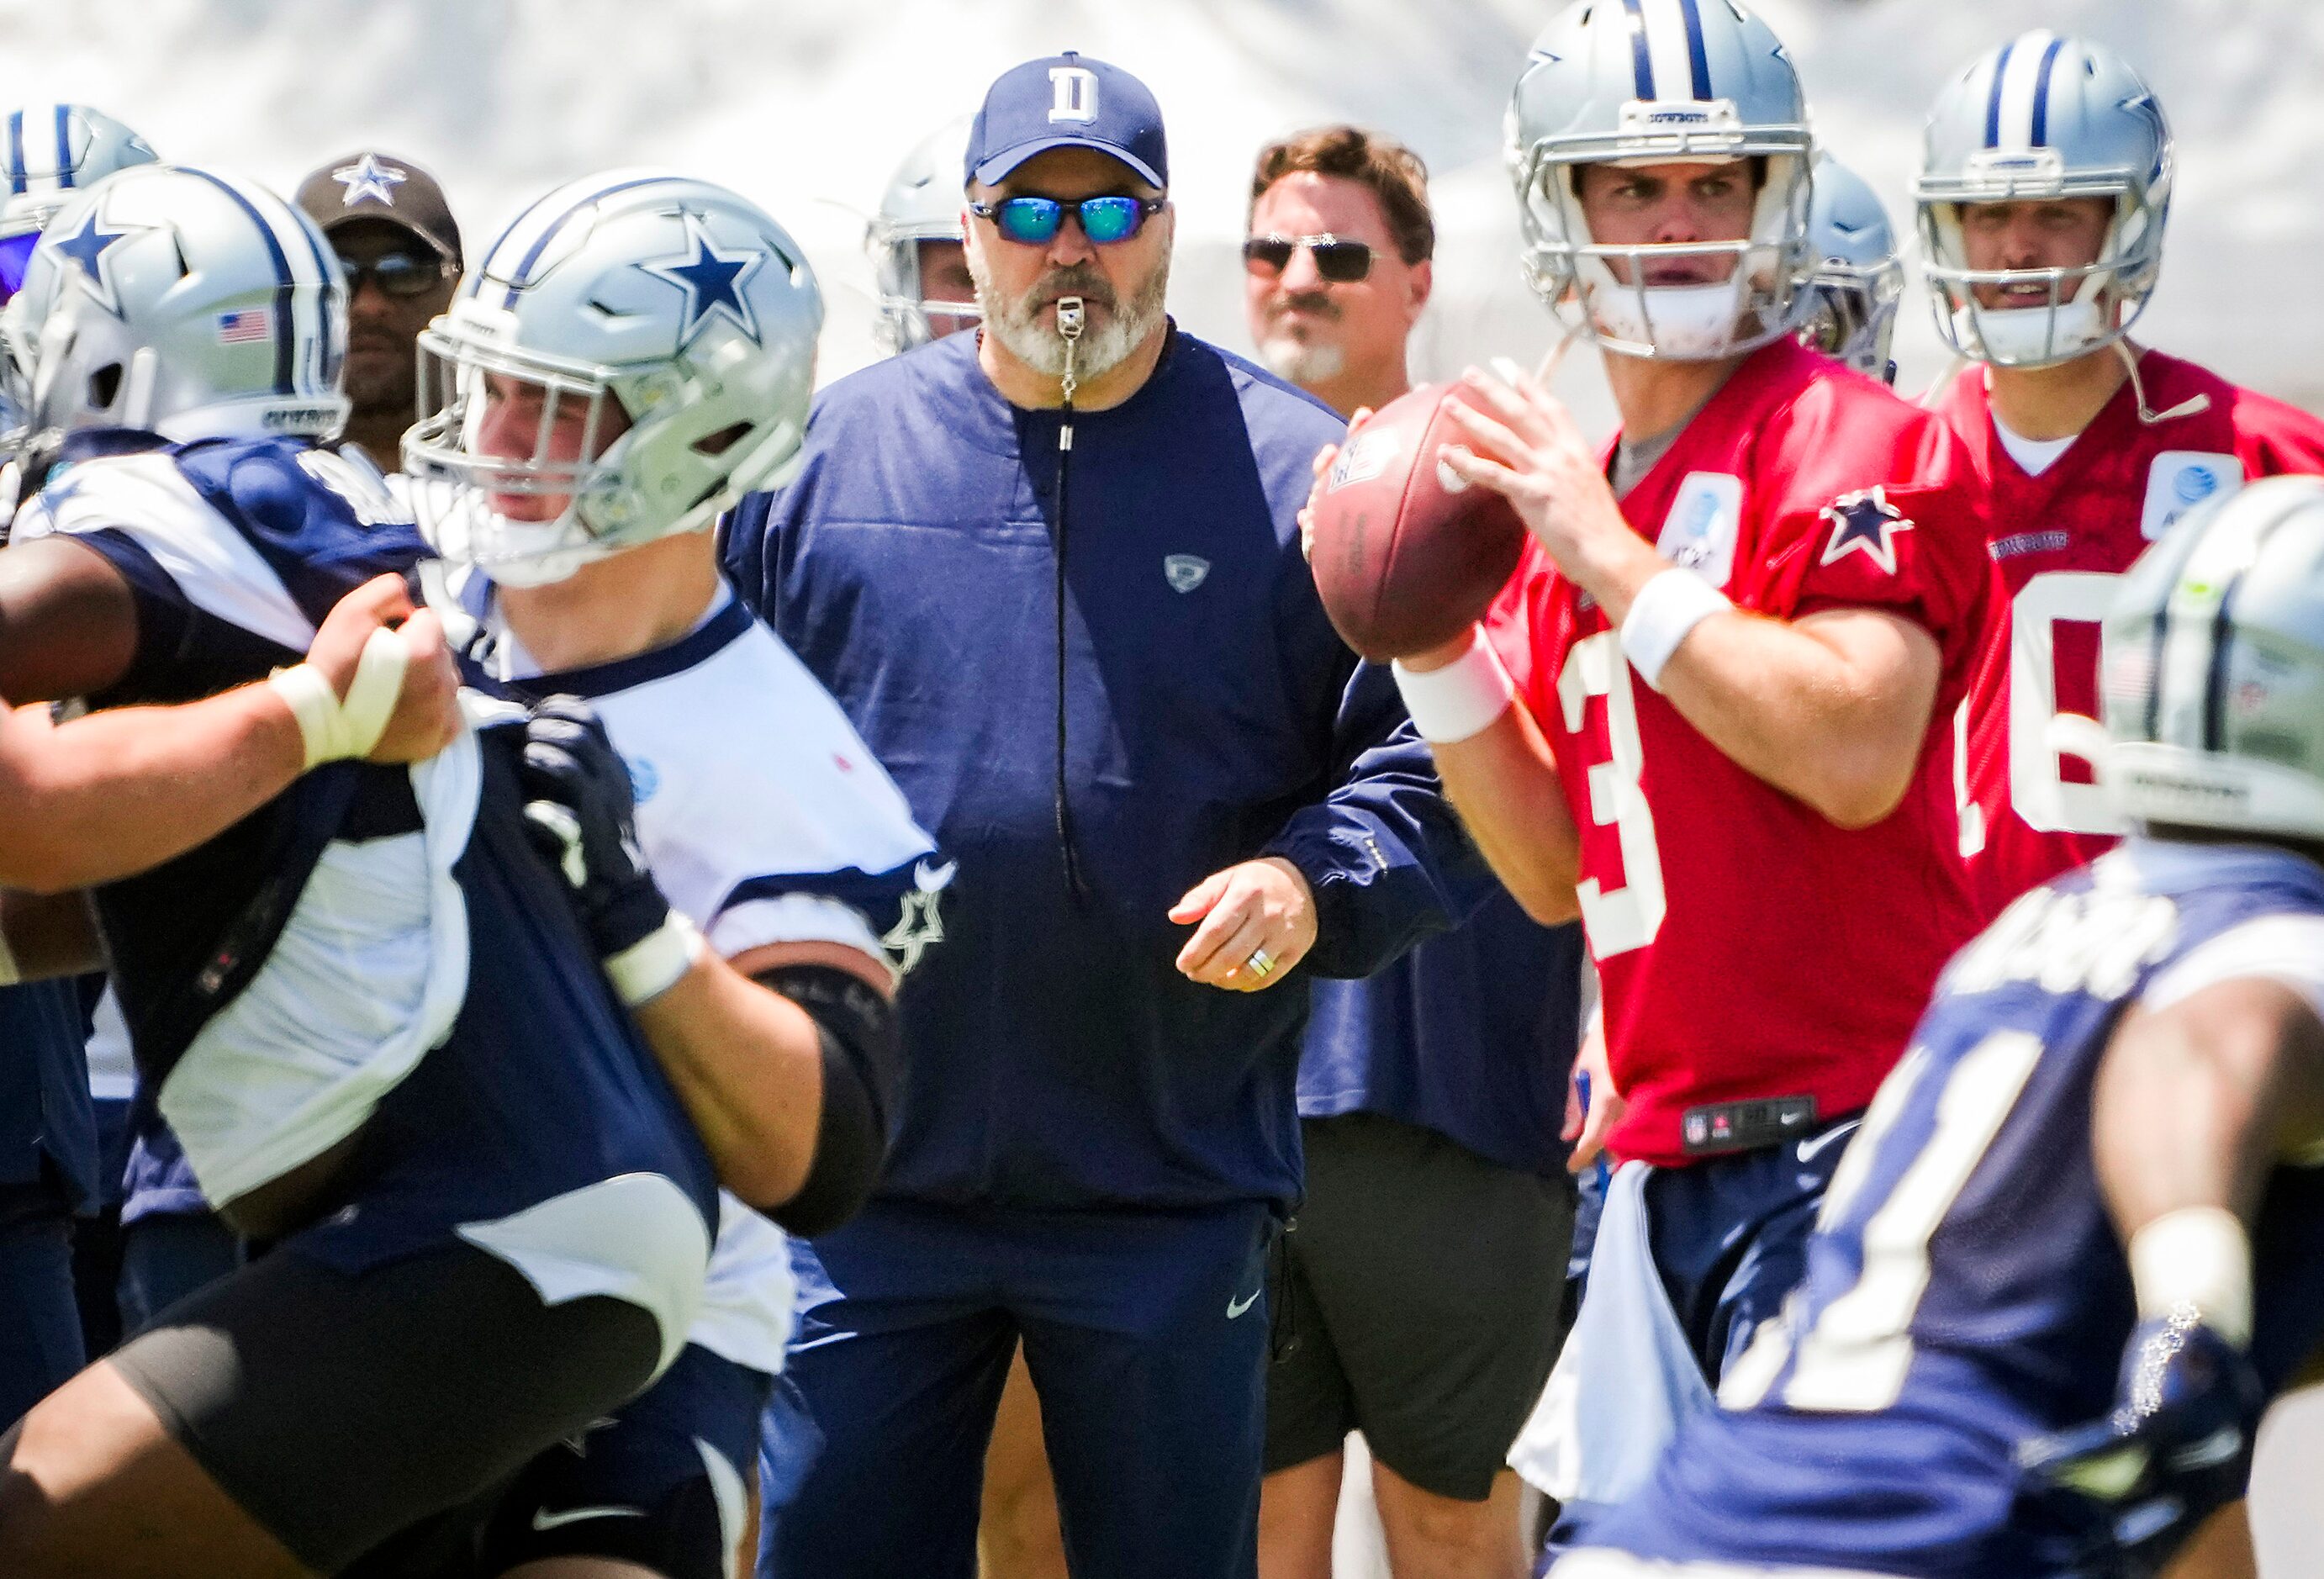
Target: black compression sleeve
{"x": 862, "y": 1058}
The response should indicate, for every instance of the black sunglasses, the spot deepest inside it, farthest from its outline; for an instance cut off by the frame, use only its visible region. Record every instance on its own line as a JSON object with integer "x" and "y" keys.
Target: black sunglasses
{"x": 1342, "y": 263}
{"x": 396, "y": 273}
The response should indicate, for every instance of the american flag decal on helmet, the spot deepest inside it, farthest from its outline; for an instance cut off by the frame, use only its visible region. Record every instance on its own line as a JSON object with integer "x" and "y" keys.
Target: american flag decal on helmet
{"x": 250, "y": 324}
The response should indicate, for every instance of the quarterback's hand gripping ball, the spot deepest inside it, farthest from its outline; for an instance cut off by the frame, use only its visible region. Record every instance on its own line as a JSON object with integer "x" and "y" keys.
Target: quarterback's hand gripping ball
{"x": 1407, "y": 554}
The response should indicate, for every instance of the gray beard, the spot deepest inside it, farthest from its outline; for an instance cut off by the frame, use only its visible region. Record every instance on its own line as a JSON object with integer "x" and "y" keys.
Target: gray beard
{"x": 1302, "y": 362}
{"x": 1100, "y": 351}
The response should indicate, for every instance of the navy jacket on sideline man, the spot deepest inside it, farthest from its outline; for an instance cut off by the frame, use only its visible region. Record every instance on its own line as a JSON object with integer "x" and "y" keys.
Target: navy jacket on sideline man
{"x": 1057, "y": 1058}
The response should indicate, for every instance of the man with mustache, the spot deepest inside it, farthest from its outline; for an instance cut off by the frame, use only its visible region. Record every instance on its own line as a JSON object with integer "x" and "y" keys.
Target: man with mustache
{"x": 1051, "y": 573}
{"x": 397, "y": 243}
{"x": 1428, "y": 1266}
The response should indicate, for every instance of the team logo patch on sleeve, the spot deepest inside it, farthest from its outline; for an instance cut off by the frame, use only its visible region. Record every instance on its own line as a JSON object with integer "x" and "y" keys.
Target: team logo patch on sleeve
{"x": 1864, "y": 522}
{"x": 920, "y": 926}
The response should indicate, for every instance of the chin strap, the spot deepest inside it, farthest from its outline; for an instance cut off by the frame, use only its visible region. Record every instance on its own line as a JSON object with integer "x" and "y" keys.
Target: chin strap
{"x": 2146, "y": 413}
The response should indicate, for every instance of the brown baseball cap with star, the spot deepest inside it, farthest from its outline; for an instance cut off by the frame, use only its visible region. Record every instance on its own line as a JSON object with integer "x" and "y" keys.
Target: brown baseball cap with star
{"x": 370, "y": 184}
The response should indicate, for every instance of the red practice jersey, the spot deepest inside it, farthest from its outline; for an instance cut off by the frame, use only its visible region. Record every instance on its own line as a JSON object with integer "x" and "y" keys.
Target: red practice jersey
{"x": 2029, "y": 811}
{"x": 1748, "y": 947}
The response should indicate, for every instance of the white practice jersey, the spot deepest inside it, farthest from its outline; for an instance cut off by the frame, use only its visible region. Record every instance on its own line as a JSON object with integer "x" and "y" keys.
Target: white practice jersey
{"x": 766, "y": 819}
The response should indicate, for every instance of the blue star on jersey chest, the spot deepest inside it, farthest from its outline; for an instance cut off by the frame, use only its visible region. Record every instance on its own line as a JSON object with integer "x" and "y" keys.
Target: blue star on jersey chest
{"x": 1865, "y": 522}
{"x": 711, "y": 280}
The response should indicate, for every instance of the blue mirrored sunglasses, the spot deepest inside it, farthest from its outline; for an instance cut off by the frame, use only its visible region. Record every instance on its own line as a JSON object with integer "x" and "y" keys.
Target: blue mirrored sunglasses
{"x": 1035, "y": 221}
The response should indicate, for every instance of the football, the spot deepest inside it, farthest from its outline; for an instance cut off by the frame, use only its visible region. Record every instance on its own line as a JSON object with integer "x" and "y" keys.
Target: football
{"x": 1406, "y": 554}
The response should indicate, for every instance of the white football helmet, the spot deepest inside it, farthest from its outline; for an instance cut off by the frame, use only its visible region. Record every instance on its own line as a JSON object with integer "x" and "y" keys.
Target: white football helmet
{"x": 1859, "y": 278}
{"x": 2044, "y": 117}
{"x": 922, "y": 203}
{"x": 190, "y": 304}
{"x": 1641, "y": 82}
{"x": 2213, "y": 668}
{"x": 675, "y": 316}
{"x": 49, "y": 151}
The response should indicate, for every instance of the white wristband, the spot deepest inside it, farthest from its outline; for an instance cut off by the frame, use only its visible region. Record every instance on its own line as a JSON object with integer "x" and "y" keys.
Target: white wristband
{"x": 332, "y": 729}
{"x": 654, "y": 965}
{"x": 2198, "y": 1259}
{"x": 1667, "y": 608}
{"x": 1460, "y": 699}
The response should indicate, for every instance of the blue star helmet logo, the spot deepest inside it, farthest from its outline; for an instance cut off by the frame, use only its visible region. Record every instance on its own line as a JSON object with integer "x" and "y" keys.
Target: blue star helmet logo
{"x": 1865, "y": 522}
{"x": 86, "y": 248}
{"x": 711, "y": 280}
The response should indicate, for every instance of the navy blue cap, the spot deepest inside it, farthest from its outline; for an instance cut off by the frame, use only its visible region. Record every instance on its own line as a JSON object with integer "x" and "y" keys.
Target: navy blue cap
{"x": 1067, "y": 101}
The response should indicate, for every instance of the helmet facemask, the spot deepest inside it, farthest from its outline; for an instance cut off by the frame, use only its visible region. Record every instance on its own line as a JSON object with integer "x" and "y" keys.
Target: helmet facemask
{"x": 1577, "y": 275}
{"x": 2083, "y": 308}
{"x": 635, "y": 454}
{"x": 907, "y": 312}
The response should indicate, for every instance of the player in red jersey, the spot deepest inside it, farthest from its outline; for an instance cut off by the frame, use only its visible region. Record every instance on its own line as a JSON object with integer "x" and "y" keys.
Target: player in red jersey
{"x": 1735, "y": 657}
{"x": 2043, "y": 195}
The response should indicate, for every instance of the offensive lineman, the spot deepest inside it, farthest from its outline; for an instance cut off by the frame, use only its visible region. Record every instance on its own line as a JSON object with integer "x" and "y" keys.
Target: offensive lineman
{"x": 2043, "y": 195}
{"x": 1739, "y": 629}
{"x": 2093, "y": 1188}
{"x": 368, "y": 1010}
{"x": 767, "y": 822}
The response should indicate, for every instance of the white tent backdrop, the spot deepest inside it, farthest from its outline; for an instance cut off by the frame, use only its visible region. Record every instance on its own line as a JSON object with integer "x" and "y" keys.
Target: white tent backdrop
{"x": 807, "y": 104}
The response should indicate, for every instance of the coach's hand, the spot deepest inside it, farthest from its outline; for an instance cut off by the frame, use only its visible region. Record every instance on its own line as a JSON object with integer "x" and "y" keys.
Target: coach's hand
{"x": 1258, "y": 923}
{"x": 427, "y": 711}
{"x": 1529, "y": 448}
{"x": 2177, "y": 1445}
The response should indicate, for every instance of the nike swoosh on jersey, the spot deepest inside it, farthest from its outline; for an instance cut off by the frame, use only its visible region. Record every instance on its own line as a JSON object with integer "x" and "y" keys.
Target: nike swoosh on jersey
{"x": 543, "y": 1519}
{"x": 1809, "y": 1148}
{"x": 1235, "y": 1308}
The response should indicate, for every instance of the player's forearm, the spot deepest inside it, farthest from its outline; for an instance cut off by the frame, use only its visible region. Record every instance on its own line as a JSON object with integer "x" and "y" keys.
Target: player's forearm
{"x": 1835, "y": 716}
{"x": 747, "y": 1064}
{"x": 117, "y": 793}
{"x": 1504, "y": 783}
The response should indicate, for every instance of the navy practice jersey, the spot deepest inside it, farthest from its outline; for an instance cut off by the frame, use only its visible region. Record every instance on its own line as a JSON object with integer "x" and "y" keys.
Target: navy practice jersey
{"x": 1966, "y": 1290}
{"x": 766, "y": 820}
{"x": 378, "y": 948}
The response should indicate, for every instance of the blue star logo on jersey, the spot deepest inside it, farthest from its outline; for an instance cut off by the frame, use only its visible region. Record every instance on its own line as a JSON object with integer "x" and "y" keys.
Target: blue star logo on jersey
{"x": 368, "y": 178}
{"x": 86, "y": 247}
{"x": 711, "y": 280}
{"x": 1864, "y": 522}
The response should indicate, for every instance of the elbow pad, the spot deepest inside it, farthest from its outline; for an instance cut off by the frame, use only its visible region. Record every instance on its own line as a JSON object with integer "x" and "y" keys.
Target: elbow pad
{"x": 862, "y": 1065}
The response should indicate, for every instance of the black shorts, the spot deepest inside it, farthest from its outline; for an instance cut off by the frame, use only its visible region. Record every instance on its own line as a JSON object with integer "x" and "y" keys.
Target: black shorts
{"x": 664, "y": 1485}
{"x": 1424, "y": 1288}
{"x": 336, "y": 1410}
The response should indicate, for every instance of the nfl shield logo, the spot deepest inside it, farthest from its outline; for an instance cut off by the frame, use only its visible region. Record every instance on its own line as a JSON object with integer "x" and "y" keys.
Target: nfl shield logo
{"x": 1185, "y": 572}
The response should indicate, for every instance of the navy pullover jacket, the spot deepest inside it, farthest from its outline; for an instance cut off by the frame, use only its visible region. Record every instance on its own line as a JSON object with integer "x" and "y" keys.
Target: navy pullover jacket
{"x": 1057, "y": 1058}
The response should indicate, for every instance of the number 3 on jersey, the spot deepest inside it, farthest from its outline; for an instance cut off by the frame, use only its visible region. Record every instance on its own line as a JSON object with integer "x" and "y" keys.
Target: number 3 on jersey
{"x": 1622, "y": 918}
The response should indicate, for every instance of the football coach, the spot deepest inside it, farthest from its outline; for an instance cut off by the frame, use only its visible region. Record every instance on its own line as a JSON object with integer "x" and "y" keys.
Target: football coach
{"x": 1052, "y": 572}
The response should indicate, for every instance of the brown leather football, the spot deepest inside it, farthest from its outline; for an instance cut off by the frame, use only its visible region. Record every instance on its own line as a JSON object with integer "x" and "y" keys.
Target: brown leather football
{"x": 1406, "y": 554}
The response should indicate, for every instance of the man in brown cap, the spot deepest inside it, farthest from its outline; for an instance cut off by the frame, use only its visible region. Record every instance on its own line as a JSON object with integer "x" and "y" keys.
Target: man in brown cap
{"x": 388, "y": 221}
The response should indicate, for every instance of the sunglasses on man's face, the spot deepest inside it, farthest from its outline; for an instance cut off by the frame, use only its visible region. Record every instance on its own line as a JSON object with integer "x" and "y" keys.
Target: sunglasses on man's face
{"x": 1036, "y": 221}
{"x": 1342, "y": 263}
{"x": 396, "y": 273}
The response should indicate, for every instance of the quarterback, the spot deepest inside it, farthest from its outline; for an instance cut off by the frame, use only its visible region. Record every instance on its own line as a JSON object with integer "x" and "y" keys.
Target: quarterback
{"x": 1718, "y": 732}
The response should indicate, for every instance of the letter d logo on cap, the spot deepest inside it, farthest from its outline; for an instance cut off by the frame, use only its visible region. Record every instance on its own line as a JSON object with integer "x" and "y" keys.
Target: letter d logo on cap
{"x": 1076, "y": 88}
